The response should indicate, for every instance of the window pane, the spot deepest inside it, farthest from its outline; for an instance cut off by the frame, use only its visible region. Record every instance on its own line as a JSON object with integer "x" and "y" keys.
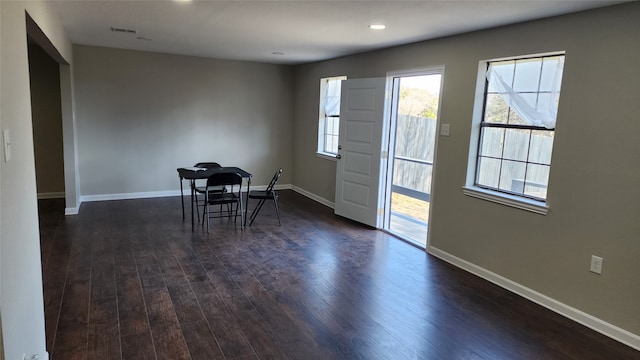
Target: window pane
{"x": 491, "y": 142}
{"x": 497, "y": 110}
{"x": 488, "y": 172}
{"x": 505, "y": 70}
{"x": 516, "y": 144}
{"x": 333, "y": 125}
{"x": 527, "y": 75}
{"x": 514, "y": 117}
{"x": 537, "y": 180}
{"x": 331, "y": 135}
{"x": 512, "y": 176}
{"x": 548, "y": 103}
{"x": 332, "y": 144}
{"x": 551, "y": 73}
{"x": 541, "y": 146}
{"x": 327, "y": 126}
{"x": 332, "y": 106}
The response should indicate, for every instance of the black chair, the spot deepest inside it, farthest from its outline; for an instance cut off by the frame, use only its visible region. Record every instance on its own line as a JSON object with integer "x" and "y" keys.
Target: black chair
{"x": 231, "y": 197}
{"x": 262, "y": 196}
{"x": 201, "y": 189}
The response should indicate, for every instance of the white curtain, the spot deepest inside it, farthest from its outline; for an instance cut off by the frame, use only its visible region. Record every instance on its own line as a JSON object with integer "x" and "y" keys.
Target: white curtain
{"x": 332, "y": 97}
{"x": 538, "y": 110}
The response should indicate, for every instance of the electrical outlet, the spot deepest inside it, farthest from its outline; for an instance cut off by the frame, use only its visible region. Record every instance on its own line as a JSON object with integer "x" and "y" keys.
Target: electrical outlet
{"x": 444, "y": 129}
{"x": 596, "y": 264}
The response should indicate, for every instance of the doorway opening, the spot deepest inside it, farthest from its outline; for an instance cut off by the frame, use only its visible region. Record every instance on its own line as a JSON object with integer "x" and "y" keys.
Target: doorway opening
{"x": 412, "y": 138}
{"x": 59, "y": 104}
{"x": 46, "y": 113}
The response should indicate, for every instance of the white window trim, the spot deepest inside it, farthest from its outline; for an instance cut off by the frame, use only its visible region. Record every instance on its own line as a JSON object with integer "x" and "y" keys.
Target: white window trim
{"x": 326, "y": 156}
{"x": 470, "y": 189}
{"x": 518, "y": 202}
{"x": 321, "y": 119}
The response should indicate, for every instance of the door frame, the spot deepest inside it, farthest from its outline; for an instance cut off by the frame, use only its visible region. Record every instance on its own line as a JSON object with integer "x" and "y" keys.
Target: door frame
{"x": 389, "y": 131}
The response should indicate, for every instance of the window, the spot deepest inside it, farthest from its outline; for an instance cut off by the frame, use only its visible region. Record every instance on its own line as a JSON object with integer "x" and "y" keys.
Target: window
{"x": 329, "y": 122}
{"x": 517, "y": 126}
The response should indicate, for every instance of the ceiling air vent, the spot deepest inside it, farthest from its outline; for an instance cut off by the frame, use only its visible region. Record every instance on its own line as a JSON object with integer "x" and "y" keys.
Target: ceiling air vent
{"x": 124, "y": 30}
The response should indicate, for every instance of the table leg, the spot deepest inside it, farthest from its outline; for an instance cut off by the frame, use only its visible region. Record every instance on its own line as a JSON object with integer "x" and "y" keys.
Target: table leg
{"x": 182, "y": 198}
{"x": 192, "y": 195}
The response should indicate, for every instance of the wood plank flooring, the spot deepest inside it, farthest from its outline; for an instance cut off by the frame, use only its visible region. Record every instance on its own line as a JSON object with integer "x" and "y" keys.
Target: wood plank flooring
{"x": 130, "y": 280}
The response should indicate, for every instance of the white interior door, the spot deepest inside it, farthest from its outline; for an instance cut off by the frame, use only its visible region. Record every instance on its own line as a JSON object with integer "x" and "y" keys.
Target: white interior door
{"x": 358, "y": 175}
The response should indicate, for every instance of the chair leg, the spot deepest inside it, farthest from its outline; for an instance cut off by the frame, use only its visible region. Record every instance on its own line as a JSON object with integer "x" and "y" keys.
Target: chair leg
{"x": 242, "y": 214}
{"x": 256, "y": 210}
{"x": 235, "y": 213}
{"x": 208, "y": 215}
{"x": 246, "y": 208}
{"x": 275, "y": 201}
{"x": 253, "y": 213}
{"x": 197, "y": 209}
{"x": 239, "y": 206}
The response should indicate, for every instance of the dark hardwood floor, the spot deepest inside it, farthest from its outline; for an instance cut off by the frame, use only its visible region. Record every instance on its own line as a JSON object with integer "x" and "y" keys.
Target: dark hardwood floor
{"x": 130, "y": 280}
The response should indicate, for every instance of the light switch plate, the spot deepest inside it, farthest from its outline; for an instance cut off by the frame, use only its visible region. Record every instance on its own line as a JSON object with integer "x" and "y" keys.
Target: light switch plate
{"x": 596, "y": 264}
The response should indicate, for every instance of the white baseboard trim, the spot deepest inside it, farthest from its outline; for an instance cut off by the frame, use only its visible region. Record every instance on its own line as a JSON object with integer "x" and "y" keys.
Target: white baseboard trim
{"x": 590, "y": 321}
{"x": 264, "y": 187}
{"x": 155, "y": 194}
{"x": 313, "y": 196}
{"x": 51, "y": 195}
{"x": 72, "y": 211}
{"x": 126, "y": 196}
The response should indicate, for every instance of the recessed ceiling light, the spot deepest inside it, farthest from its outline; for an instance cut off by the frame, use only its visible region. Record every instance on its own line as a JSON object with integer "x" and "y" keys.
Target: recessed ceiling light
{"x": 377, "y": 27}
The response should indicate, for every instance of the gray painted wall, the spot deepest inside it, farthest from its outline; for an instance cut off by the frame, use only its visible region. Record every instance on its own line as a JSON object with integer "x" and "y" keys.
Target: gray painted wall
{"x": 44, "y": 74}
{"x": 596, "y": 147}
{"x": 141, "y": 115}
{"x": 21, "y": 299}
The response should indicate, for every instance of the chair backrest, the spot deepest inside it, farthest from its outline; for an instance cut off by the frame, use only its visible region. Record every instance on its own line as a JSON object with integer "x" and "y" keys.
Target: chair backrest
{"x": 274, "y": 180}
{"x": 207, "y": 165}
{"x": 221, "y": 179}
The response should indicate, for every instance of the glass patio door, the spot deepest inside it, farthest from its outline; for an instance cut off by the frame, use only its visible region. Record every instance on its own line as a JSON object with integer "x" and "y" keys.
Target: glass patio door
{"x": 412, "y": 132}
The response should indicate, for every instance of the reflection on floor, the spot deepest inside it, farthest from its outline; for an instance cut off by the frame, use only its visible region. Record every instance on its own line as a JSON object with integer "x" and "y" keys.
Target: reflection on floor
{"x": 409, "y": 228}
{"x": 130, "y": 279}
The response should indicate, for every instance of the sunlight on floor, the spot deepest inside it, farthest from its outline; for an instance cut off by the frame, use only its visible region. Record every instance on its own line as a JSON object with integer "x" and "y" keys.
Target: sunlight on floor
{"x": 409, "y": 218}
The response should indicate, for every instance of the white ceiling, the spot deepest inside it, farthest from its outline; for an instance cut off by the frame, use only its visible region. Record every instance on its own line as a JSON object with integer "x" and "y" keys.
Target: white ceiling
{"x": 303, "y": 30}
